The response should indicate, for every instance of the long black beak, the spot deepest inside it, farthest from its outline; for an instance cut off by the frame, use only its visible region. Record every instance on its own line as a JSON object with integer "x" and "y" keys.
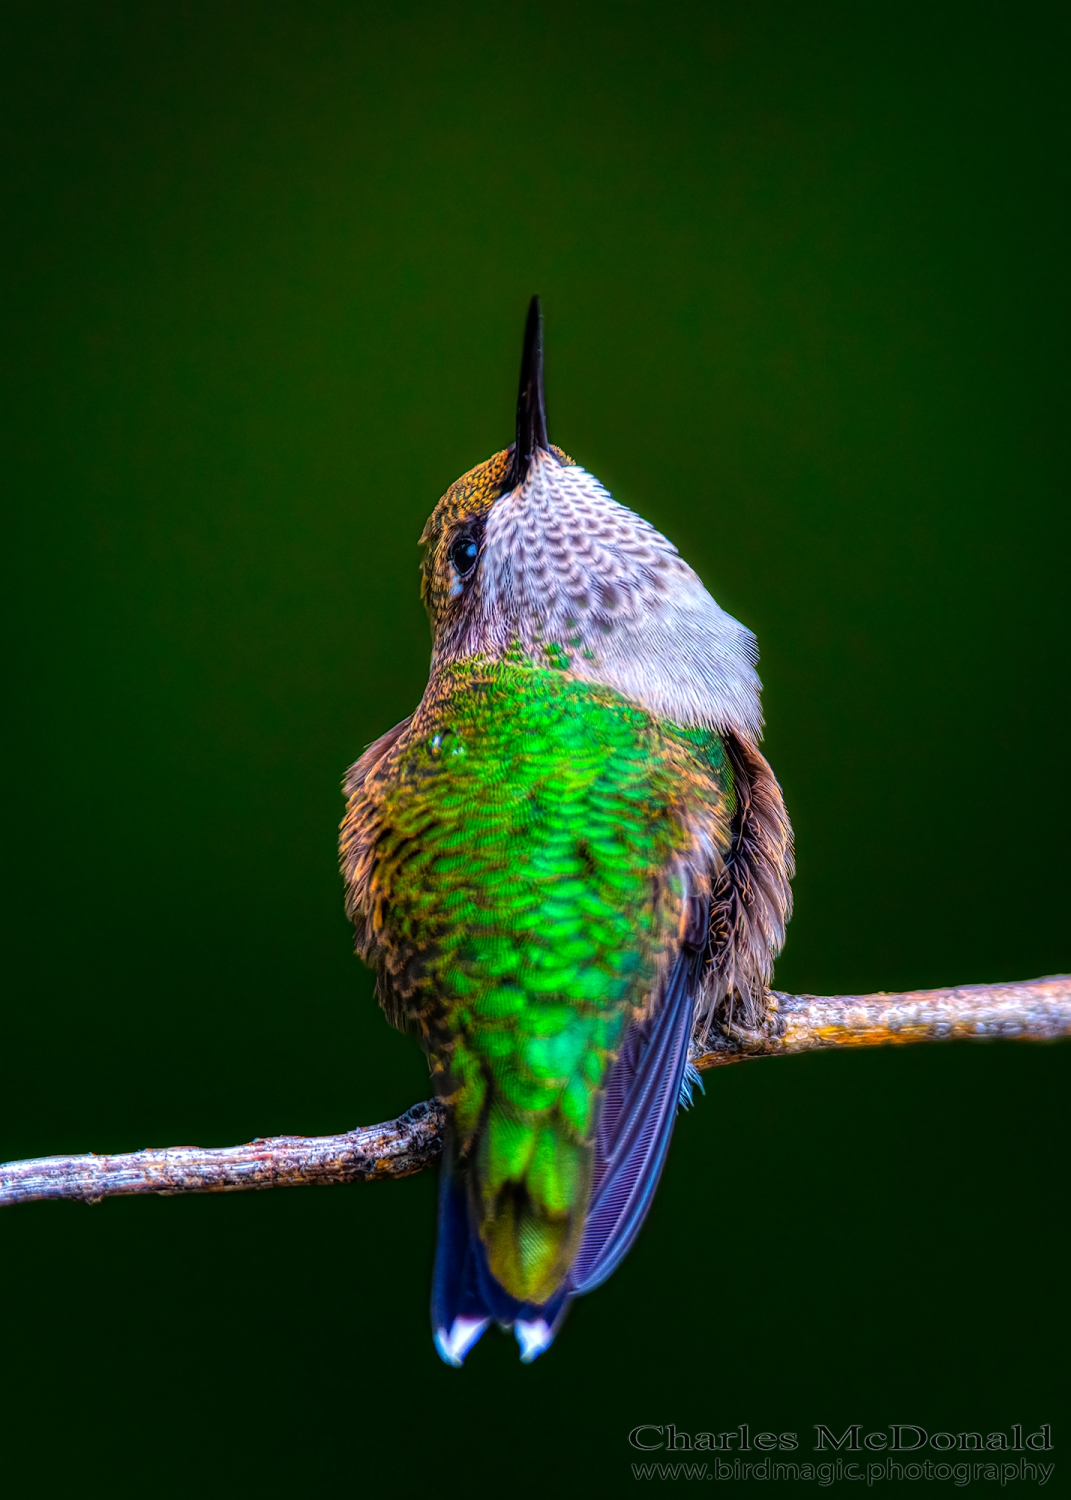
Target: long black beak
{"x": 531, "y": 404}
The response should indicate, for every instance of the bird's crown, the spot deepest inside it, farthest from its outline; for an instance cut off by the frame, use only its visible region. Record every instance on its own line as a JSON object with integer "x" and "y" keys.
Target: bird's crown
{"x": 529, "y": 552}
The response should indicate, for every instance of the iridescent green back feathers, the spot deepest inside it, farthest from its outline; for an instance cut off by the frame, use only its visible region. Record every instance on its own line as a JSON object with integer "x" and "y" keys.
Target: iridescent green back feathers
{"x": 534, "y": 840}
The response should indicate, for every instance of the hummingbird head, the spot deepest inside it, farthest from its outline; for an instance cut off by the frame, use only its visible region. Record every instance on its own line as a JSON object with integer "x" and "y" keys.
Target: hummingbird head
{"x": 529, "y": 552}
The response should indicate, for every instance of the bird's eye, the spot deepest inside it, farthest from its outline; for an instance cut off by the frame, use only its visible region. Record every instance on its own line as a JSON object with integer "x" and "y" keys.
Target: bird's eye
{"x": 463, "y": 554}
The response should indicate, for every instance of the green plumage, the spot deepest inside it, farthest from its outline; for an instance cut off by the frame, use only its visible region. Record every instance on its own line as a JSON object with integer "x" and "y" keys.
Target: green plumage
{"x": 530, "y": 840}
{"x": 560, "y": 888}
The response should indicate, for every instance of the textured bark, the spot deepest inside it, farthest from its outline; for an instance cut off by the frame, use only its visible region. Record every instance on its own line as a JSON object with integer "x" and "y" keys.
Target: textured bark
{"x": 394, "y": 1149}
{"x": 1031, "y": 1010}
{"x": 1034, "y": 1010}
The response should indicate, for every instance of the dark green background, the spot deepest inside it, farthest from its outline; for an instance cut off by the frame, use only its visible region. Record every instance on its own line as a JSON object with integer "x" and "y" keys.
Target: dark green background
{"x": 804, "y": 270}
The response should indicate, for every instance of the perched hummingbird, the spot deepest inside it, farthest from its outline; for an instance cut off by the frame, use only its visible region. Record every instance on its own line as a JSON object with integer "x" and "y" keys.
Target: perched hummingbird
{"x": 567, "y": 866}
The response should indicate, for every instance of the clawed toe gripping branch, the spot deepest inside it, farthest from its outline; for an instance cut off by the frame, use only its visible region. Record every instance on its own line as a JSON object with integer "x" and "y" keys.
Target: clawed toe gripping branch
{"x": 1034, "y": 1010}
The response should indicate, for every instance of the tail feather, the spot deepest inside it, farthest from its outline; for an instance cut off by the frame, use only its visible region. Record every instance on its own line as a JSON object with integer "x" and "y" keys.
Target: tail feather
{"x": 635, "y": 1125}
{"x": 465, "y": 1297}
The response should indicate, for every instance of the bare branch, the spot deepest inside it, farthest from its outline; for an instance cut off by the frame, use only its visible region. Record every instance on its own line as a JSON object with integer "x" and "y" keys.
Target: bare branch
{"x": 1035, "y": 1010}
{"x": 395, "y": 1149}
{"x": 1031, "y": 1010}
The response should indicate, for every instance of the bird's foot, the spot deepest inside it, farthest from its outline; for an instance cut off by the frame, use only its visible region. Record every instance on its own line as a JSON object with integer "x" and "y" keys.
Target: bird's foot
{"x": 746, "y": 1039}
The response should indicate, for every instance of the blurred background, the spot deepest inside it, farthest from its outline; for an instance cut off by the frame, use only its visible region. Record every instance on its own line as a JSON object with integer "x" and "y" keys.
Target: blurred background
{"x": 804, "y": 272}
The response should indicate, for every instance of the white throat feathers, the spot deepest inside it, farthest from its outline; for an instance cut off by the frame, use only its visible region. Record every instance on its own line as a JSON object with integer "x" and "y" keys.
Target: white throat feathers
{"x": 572, "y": 576}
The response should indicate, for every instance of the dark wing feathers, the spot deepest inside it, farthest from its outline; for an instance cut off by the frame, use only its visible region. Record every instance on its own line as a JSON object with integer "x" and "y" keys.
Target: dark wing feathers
{"x": 360, "y": 828}
{"x": 751, "y": 899}
{"x": 635, "y": 1125}
{"x": 728, "y": 950}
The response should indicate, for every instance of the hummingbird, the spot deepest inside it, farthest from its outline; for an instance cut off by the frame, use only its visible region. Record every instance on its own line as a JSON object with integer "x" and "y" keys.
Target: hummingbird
{"x": 567, "y": 867}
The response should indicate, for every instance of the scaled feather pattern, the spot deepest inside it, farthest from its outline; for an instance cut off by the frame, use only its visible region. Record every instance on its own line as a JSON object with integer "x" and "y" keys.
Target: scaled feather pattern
{"x": 567, "y": 866}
